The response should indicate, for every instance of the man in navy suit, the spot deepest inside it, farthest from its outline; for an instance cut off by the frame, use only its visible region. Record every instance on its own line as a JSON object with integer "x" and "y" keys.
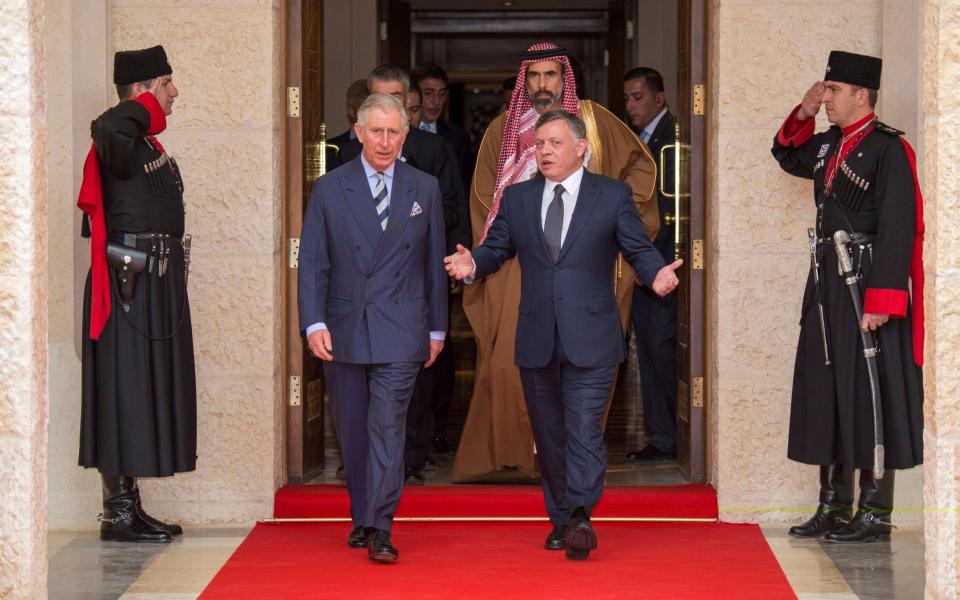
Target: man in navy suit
{"x": 373, "y": 304}
{"x": 567, "y": 227}
{"x": 655, "y": 318}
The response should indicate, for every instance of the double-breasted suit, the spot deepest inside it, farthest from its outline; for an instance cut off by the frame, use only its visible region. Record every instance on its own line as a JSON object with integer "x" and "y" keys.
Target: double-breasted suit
{"x": 380, "y": 293}
{"x": 569, "y": 339}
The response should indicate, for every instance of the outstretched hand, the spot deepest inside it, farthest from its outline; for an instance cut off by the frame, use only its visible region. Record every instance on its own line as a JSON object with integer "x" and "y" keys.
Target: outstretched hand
{"x": 810, "y": 105}
{"x": 459, "y": 265}
{"x": 666, "y": 280}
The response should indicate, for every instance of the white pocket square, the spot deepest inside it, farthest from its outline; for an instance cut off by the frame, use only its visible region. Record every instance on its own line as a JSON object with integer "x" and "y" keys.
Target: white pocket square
{"x": 416, "y": 210}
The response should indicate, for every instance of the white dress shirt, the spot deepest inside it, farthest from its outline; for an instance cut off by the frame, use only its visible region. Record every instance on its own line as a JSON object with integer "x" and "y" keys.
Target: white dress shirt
{"x": 647, "y": 132}
{"x": 571, "y": 190}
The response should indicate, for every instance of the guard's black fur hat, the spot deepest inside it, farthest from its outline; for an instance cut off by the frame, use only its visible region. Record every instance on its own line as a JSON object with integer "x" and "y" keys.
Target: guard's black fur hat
{"x": 855, "y": 69}
{"x": 131, "y": 66}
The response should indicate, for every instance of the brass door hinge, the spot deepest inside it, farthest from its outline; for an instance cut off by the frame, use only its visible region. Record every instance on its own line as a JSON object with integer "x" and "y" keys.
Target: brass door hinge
{"x": 293, "y": 102}
{"x": 697, "y": 392}
{"x": 383, "y": 31}
{"x": 293, "y": 391}
{"x": 293, "y": 253}
{"x": 697, "y": 255}
{"x": 699, "y": 99}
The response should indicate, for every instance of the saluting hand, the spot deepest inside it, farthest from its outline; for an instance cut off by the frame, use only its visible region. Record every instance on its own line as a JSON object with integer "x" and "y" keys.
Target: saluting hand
{"x": 810, "y": 105}
{"x": 460, "y": 264}
{"x": 320, "y": 344}
{"x": 666, "y": 280}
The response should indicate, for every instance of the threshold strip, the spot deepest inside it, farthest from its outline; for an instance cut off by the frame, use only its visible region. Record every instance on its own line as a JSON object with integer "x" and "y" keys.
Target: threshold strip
{"x": 494, "y": 519}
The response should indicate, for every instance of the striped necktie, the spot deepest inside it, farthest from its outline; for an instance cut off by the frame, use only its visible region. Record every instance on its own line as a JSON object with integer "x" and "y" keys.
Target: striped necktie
{"x": 382, "y": 199}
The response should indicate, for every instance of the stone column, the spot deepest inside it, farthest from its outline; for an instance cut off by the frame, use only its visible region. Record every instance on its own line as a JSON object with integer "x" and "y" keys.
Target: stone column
{"x": 23, "y": 295}
{"x": 941, "y": 187}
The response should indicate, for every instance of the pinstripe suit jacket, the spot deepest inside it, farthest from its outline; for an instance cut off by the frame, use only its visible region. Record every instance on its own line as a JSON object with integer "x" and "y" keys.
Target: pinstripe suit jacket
{"x": 380, "y": 293}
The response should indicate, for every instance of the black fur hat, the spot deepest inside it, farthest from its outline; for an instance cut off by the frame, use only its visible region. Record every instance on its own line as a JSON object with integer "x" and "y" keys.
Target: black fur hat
{"x": 131, "y": 66}
{"x": 855, "y": 69}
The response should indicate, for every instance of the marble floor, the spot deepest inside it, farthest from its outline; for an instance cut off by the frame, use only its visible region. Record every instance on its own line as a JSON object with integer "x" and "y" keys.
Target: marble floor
{"x": 82, "y": 567}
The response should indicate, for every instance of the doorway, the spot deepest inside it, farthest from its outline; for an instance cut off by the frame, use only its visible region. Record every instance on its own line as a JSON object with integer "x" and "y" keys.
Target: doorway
{"x": 478, "y": 45}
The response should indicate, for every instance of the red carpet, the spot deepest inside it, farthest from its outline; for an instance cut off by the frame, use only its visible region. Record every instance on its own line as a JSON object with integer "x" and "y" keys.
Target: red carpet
{"x": 505, "y": 560}
{"x": 479, "y": 501}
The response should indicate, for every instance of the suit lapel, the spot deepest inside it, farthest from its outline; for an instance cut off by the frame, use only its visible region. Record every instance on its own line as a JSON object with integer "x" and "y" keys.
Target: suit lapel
{"x": 401, "y": 202}
{"x": 531, "y": 209}
{"x": 360, "y": 202}
{"x": 586, "y": 200}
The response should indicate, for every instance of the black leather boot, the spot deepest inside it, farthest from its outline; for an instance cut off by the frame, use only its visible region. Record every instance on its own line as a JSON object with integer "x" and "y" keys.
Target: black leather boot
{"x": 130, "y": 483}
{"x": 120, "y": 521}
{"x": 872, "y": 521}
{"x": 836, "y": 503}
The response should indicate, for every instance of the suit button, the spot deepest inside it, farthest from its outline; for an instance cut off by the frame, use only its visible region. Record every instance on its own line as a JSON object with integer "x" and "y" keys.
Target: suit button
{"x": 559, "y": 299}
{"x": 397, "y": 274}
{"x": 396, "y": 302}
{"x": 369, "y": 275}
{"x": 407, "y": 247}
{"x": 358, "y": 248}
{"x": 557, "y": 268}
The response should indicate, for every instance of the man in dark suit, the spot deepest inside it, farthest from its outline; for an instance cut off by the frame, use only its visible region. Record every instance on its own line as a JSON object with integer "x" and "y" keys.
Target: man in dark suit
{"x": 373, "y": 303}
{"x": 356, "y": 94}
{"x": 567, "y": 227}
{"x": 433, "y": 84}
{"x": 655, "y": 318}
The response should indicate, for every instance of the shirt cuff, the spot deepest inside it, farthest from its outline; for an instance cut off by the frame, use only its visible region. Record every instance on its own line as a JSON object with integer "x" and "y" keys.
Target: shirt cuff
{"x": 316, "y": 327}
{"x": 795, "y": 132}
{"x": 883, "y": 301}
{"x": 472, "y": 277}
{"x": 438, "y": 335}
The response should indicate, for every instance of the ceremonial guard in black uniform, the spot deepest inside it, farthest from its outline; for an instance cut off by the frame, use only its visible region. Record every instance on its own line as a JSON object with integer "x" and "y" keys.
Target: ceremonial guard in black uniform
{"x": 139, "y": 409}
{"x": 857, "y": 388}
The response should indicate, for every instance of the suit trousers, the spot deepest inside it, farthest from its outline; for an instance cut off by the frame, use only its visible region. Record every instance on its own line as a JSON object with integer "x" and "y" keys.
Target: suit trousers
{"x": 368, "y": 404}
{"x": 566, "y": 404}
{"x": 655, "y": 330}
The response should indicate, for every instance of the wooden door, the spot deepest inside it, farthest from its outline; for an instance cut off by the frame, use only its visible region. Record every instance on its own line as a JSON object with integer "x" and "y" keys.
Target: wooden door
{"x": 691, "y": 88}
{"x": 302, "y": 37}
{"x": 395, "y": 33}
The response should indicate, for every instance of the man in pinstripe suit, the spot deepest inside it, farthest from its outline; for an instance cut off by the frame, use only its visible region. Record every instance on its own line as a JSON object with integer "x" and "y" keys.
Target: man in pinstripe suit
{"x": 373, "y": 304}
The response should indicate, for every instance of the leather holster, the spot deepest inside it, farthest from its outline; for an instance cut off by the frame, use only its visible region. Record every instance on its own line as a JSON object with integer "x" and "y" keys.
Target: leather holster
{"x": 126, "y": 261}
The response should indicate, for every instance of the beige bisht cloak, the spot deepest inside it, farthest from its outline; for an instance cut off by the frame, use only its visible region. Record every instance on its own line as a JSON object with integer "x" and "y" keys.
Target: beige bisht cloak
{"x": 497, "y": 430}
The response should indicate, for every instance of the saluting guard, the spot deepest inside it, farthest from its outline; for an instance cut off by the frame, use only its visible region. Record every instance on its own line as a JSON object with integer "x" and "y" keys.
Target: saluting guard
{"x": 852, "y": 372}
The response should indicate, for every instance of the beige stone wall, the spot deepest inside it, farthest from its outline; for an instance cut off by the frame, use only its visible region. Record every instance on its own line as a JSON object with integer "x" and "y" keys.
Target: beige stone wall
{"x": 764, "y": 55}
{"x": 224, "y": 132}
{"x": 941, "y": 182}
{"x": 23, "y": 296}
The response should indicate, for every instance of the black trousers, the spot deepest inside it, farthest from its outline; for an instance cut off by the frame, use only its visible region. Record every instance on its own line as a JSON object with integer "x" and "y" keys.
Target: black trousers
{"x": 655, "y": 330}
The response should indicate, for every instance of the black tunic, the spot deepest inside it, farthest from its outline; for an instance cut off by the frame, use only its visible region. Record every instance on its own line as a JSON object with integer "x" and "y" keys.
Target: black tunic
{"x": 831, "y": 412}
{"x": 139, "y": 409}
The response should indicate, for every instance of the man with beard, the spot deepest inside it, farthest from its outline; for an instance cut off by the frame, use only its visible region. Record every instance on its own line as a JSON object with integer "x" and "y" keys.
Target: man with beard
{"x": 497, "y": 431}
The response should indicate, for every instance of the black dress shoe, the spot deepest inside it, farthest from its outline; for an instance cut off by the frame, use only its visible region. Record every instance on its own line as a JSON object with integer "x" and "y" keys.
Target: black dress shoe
{"x": 822, "y": 522}
{"x": 580, "y": 536}
{"x": 557, "y": 540}
{"x": 649, "y": 454}
{"x": 429, "y": 465}
{"x": 865, "y": 527}
{"x": 413, "y": 477}
{"x": 357, "y": 538}
{"x": 379, "y": 548}
{"x": 341, "y": 473}
{"x": 441, "y": 445}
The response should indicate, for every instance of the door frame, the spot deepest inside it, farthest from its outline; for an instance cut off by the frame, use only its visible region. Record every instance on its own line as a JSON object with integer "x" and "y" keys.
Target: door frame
{"x": 291, "y": 161}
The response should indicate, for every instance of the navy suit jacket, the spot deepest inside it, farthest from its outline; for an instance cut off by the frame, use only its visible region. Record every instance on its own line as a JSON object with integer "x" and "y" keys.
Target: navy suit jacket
{"x": 380, "y": 293}
{"x": 575, "y": 294}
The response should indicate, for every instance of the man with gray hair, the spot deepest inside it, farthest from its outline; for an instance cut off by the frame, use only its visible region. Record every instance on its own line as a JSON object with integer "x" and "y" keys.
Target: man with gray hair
{"x": 372, "y": 297}
{"x": 431, "y": 154}
{"x": 566, "y": 227}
